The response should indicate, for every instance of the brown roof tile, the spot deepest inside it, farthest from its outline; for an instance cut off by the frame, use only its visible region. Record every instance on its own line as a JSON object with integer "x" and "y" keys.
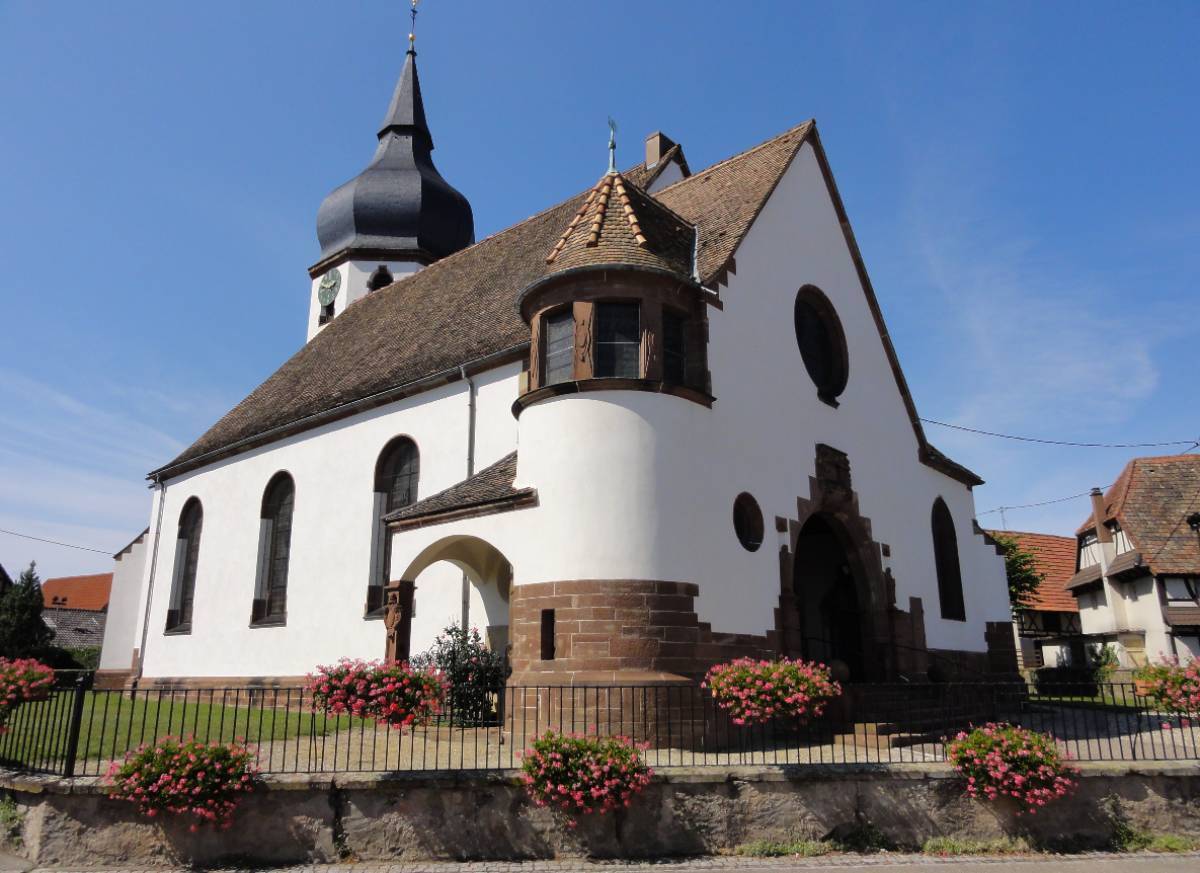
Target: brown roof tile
{"x": 1151, "y": 500}
{"x": 1054, "y": 557}
{"x": 462, "y": 308}
{"x": 491, "y": 485}
{"x": 620, "y": 223}
{"x": 78, "y": 592}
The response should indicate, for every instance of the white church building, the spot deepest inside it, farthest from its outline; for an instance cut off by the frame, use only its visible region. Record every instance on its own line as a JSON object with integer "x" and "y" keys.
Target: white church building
{"x": 653, "y": 427}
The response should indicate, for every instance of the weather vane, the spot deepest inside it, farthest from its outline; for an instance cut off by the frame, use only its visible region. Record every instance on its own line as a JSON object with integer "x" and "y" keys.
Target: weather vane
{"x": 412, "y": 31}
{"x": 612, "y": 145}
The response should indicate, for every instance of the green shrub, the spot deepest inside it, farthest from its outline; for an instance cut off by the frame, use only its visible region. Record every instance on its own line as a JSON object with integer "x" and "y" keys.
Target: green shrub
{"x": 800, "y": 848}
{"x": 953, "y": 846}
{"x": 475, "y": 673}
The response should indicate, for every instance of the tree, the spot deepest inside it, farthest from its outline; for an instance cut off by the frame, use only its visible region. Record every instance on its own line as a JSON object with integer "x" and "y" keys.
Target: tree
{"x": 23, "y": 633}
{"x": 1023, "y": 574}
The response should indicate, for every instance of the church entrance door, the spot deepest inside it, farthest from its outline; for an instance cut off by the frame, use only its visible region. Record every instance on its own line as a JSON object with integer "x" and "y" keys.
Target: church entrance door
{"x": 827, "y": 589}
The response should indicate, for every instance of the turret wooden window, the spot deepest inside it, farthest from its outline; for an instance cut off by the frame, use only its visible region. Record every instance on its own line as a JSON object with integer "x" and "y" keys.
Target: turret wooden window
{"x": 674, "y": 346}
{"x": 560, "y": 347}
{"x": 187, "y": 558}
{"x": 275, "y": 548}
{"x": 945, "y": 555}
{"x": 618, "y": 340}
{"x": 396, "y": 474}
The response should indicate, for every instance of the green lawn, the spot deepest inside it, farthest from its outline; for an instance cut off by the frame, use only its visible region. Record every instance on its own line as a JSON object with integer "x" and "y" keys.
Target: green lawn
{"x": 112, "y": 723}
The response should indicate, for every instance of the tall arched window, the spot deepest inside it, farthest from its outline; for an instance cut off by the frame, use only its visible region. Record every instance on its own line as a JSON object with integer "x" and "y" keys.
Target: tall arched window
{"x": 945, "y": 556}
{"x": 396, "y": 475}
{"x": 274, "y": 551}
{"x": 183, "y": 579}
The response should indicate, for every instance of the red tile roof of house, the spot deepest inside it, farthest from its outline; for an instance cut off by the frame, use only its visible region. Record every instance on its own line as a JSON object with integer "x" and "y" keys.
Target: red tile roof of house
{"x": 1055, "y": 559}
{"x": 78, "y": 592}
{"x": 1151, "y": 500}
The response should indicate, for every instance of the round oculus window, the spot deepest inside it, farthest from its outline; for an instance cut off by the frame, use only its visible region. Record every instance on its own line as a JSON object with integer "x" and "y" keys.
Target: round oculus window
{"x": 822, "y": 343}
{"x": 748, "y": 522}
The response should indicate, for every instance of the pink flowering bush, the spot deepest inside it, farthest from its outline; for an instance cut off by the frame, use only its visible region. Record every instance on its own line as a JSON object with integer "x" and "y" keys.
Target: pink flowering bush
{"x": 753, "y": 692}
{"x": 1005, "y": 761}
{"x": 1172, "y": 686}
{"x": 186, "y": 778}
{"x": 583, "y": 775}
{"x": 22, "y": 681}
{"x": 392, "y": 694}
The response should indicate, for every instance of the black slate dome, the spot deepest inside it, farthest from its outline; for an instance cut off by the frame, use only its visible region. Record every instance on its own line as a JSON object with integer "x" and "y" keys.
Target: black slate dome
{"x": 399, "y": 206}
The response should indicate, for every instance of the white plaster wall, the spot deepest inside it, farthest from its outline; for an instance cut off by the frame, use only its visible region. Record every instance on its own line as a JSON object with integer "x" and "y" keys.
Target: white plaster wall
{"x": 671, "y": 174}
{"x": 333, "y": 467}
{"x": 121, "y": 625}
{"x": 355, "y": 275}
{"x": 1143, "y": 611}
{"x": 1094, "y": 615}
{"x": 642, "y": 485}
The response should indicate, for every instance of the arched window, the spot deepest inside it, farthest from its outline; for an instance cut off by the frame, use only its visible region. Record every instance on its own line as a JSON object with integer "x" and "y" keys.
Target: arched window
{"x": 380, "y": 278}
{"x": 183, "y": 579}
{"x": 396, "y": 475}
{"x": 945, "y": 556}
{"x": 274, "y": 551}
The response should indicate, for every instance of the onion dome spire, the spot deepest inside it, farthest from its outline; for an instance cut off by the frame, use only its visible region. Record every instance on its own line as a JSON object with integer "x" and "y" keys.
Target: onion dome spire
{"x": 399, "y": 207}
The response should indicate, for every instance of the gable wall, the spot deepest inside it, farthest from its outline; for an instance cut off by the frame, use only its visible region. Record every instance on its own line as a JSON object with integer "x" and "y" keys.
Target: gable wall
{"x": 768, "y": 417}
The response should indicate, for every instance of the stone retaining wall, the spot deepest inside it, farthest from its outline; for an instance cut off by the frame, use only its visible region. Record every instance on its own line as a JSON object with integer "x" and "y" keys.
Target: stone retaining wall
{"x": 684, "y": 812}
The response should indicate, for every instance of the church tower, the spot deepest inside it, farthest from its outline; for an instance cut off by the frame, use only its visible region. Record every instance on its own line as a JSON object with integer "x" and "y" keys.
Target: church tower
{"x": 395, "y": 217}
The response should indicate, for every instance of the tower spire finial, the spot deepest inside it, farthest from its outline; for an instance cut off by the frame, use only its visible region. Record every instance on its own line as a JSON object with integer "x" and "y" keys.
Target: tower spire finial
{"x": 412, "y": 30}
{"x": 612, "y": 145}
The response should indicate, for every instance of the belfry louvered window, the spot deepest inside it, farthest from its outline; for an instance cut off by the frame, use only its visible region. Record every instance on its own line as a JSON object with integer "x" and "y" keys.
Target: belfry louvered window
{"x": 618, "y": 340}
{"x": 187, "y": 558}
{"x": 560, "y": 347}
{"x": 396, "y": 475}
{"x": 945, "y": 556}
{"x": 275, "y": 550}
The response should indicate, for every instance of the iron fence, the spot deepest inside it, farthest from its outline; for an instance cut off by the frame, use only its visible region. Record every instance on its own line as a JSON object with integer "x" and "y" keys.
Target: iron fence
{"x": 78, "y": 730}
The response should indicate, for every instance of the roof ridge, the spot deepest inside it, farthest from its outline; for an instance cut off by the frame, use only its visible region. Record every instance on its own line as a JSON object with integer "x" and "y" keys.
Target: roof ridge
{"x": 1028, "y": 533}
{"x": 742, "y": 154}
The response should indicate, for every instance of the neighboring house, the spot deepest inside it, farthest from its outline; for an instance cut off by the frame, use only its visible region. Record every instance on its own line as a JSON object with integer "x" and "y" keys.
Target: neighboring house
{"x": 120, "y": 631}
{"x": 1138, "y": 577}
{"x": 1048, "y": 631}
{"x": 718, "y": 451}
{"x": 75, "y": 609}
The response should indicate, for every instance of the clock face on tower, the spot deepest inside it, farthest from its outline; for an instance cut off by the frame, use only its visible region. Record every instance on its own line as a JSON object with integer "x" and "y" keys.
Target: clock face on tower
{"x": 328, "y": 289}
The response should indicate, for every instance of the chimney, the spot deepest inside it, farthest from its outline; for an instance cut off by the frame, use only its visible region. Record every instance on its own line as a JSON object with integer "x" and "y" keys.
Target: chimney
{"x": 1103, "y": 534}
{"x": 657, "y": 145}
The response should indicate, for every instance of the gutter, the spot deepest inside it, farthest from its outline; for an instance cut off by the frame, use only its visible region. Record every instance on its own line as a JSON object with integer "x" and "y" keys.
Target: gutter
{"x": 344, "y": 410}
{"x": 466, "y": 580}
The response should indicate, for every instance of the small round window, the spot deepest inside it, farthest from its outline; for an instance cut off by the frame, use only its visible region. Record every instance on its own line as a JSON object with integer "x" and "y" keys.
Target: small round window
{"x": 822, "y": 343}
{"x": 748, "y": 522}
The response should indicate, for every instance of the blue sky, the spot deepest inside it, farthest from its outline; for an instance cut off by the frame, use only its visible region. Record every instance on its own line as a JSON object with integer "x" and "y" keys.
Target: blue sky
{"x": 1021, "y": 178}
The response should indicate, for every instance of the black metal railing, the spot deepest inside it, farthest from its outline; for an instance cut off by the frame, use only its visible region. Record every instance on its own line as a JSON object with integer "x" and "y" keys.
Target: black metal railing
{"x": 78, "y": 730}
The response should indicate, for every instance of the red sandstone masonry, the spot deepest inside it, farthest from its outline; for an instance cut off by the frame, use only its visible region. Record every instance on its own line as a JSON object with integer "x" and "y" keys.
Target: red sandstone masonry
{"x": 639, "y": 626}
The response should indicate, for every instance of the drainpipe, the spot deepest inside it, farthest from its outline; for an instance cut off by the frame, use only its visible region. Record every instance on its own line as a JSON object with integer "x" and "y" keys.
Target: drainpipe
{"x": 162, "y": 500}
{"x": 471, "y": 393}
{"x": 1107, "y": 549}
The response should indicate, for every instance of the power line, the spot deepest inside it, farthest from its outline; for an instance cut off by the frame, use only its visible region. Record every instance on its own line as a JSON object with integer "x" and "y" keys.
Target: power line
{"x": 1026, "y": 439}
{"x": 1041, "y": 502}
{"x": 54, "y": 542}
